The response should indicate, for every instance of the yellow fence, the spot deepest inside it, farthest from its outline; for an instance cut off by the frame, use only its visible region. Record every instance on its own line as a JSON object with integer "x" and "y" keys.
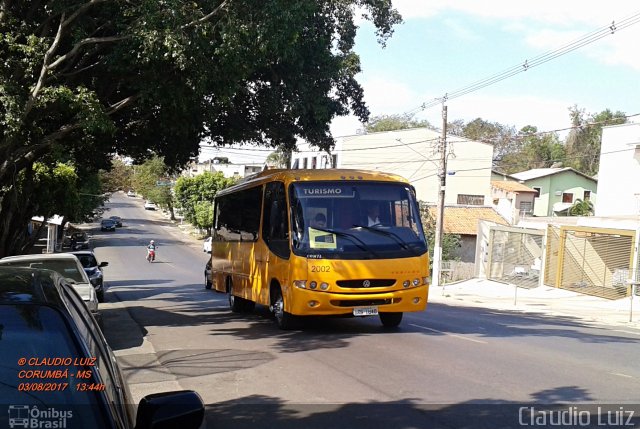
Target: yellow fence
{"x": 594, "y": 261}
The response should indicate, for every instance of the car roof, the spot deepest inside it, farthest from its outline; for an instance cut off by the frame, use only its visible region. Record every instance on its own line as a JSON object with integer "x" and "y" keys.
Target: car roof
{"x": 40, "y": 257}
{"x": 20, "y": 285}
{"x": 82, "y": 252}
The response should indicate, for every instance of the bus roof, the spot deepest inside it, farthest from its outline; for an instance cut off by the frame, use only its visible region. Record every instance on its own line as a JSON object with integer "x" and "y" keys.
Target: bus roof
{"x": 302, "y": 175}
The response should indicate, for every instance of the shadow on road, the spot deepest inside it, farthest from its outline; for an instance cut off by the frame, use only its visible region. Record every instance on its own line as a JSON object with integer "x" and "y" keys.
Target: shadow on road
{"x": 269, "y": 412}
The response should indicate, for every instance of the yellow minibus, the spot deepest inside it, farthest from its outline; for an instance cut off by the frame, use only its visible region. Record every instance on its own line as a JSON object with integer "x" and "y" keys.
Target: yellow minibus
{"x": 321, "y": 243}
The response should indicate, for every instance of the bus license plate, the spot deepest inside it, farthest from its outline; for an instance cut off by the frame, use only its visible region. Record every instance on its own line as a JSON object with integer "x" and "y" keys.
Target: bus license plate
{"x": 365, "y": 311}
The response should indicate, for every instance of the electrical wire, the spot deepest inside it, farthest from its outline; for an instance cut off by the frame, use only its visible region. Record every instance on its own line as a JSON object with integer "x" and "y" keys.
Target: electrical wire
{"x": 536, "y": 61}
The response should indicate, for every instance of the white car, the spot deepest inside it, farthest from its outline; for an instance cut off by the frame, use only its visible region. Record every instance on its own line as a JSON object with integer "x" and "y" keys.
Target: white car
{"x": 130, "y": 193}
{"x": 149, "y": 205}
{"x": 206, "y": 246}
{"x": 69, "y": 267}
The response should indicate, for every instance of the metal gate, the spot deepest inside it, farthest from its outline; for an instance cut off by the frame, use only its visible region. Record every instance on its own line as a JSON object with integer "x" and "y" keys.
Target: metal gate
{"x": 515, "y": 255}
{"x": 593, "y": 261}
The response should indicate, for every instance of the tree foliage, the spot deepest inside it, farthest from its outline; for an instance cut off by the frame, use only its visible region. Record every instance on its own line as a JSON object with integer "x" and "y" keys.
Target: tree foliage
{"x": 394, "y": 122}
{"x": 581, "y": 208}
{"x": 152, "y": 180}
{"x": 502, "y": 137}
{"x": 583, "y": 142}
{"x": 82, "y": 80}
{"x": 194, "y": 195}
{"x": 450, "y": 242}
{"x": 536, "y": 150}
{"x": 119, "y": 177}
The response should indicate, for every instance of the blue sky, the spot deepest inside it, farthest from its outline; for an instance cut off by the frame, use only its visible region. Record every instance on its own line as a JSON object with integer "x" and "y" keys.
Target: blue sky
{"x": 446, "y": 45}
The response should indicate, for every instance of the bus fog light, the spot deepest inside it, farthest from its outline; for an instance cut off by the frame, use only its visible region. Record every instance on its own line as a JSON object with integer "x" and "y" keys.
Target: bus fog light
{"x": 313, "y": 304}
{"x": 416, "y": 282}
{"x": 416, "y": 300}
{"x": 324, "y": 286}
{"x": 302, "y": 284}
{"x": 406, "y": 283}
{"x": 313, "y": 285}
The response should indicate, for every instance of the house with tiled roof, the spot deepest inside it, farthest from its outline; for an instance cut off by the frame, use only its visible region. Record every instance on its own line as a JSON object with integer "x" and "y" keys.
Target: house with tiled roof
{"x": 557, "y": 189}
{"x": 513, "y": 200}
{"x": 463, "y": 221}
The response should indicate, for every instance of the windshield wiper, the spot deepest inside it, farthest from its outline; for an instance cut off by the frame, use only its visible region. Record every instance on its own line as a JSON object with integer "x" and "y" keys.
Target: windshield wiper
{"x": 361, "y": 244}
{"x": 392, "y": 235}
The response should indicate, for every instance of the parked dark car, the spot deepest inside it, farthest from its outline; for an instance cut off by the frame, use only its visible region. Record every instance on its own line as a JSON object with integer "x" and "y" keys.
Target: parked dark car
{"x": 117, "y": 220}
{"x": 107, "y": 225}
{"x": 93, "y": 269}
{"x": 46, "y": 327}
{"x": 77, "y": 240}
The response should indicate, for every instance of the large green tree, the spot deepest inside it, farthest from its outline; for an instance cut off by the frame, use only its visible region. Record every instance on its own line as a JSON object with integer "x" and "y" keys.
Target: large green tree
{"x": 583, "y": 141}
{"x": 502, "y": 137}
{"x": 394, "y": 122}
{"x": 194, "y": 195}
{"x": 535, "y": 150}
{"x": 81, "y": 80}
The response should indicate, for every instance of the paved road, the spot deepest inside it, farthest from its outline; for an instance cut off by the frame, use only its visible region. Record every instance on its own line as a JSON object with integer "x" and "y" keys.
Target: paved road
{"x": 451, "y": 366}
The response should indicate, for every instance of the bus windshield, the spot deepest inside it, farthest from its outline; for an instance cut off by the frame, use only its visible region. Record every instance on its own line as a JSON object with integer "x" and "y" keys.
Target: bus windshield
{"x": 355, "y": 220}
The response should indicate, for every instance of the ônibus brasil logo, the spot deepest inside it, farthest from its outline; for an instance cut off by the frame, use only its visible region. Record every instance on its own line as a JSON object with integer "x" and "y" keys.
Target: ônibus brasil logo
{"x": 24, "y": 416}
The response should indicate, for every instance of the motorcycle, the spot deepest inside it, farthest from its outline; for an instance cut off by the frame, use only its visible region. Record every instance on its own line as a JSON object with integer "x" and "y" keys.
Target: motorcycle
{"x": 151, "y": 255}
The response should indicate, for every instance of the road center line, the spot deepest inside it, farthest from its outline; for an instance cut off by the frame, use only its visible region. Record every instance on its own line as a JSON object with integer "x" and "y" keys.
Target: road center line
{"x": 621, "y": 375}
{"x": 473, "y": 340}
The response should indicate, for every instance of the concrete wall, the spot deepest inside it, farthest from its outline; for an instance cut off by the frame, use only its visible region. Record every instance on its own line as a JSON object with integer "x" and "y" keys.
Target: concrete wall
{"x": 619, "y": 175}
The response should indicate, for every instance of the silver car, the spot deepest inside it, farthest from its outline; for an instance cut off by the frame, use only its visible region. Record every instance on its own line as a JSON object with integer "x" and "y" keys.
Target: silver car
{"x": 69, "y": 267}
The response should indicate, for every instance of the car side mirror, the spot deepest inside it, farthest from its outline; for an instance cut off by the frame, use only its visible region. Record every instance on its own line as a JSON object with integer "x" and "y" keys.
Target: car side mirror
{"x": 179, "y": 409}
{"x": 103, "y": 264}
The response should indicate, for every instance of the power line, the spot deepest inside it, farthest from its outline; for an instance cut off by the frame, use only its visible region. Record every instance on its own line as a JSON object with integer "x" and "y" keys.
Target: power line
{"x": 535, "y": 61}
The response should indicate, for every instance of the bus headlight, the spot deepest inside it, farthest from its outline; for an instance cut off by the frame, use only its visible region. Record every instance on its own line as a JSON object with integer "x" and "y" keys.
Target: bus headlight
{"x": 406, "y": 283}
{"x": 324, "y": 286}
{"x": 416, "y": 282}
{"x": 301, "y": 284}
{"x": 425, "y": 280}
{"x": 313, "y": 285}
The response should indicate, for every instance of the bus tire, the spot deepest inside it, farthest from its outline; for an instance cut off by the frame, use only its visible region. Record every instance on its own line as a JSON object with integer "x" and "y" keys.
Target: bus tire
{"x": 249, "y": 306}
{"x": 390, "y": 320}
{"x": 207, "y": 282}
{"x": 235, "y": 303}
{"x": 284, "y": 320}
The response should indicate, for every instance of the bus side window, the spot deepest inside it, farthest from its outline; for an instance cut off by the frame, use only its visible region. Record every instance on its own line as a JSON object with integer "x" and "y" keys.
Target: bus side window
{"x": 275, "y": 229}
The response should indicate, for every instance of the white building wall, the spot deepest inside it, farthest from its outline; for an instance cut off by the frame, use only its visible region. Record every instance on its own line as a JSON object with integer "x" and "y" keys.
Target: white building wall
{"x": 619, "y": 174}
{"x": 414, "y": 155}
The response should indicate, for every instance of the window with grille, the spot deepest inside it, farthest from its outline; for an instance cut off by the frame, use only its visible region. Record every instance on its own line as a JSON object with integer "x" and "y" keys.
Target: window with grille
{"x": 567, "y": 197}
{"x": 470, "y": 200}
{"x": 526, "y": 207}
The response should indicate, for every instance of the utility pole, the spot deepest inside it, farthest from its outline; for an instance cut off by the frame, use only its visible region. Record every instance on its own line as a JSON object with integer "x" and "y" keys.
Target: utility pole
{"x": 437, "y": 247}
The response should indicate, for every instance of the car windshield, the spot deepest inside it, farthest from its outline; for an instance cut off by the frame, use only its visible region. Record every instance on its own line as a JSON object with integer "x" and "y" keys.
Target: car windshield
{"x": 87, "y": 261}
{"x": 39, "y": 335}
{"x": 67, "y": 268}
{"x": 355, "y": 220}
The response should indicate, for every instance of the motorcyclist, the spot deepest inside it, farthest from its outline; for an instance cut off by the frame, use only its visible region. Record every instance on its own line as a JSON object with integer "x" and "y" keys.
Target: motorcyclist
{"x": 151, "y": 247}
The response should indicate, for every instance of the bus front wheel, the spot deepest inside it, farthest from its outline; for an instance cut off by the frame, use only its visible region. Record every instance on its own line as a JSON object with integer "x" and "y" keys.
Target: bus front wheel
{"x": 284, "y": 320}
{"x": 390, "y": 320}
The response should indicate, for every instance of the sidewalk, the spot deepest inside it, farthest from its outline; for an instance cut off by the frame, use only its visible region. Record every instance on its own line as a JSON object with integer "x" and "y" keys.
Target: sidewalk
{"x": 543, "y": 299}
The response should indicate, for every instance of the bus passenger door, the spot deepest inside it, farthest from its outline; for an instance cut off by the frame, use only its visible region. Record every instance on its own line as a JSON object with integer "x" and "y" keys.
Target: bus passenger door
{"x": 275, "y": 233}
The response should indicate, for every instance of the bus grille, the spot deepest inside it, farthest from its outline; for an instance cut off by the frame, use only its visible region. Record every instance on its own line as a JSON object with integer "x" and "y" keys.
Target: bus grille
{"x": 363, "y": 302}
{"x": 362, "y": 283}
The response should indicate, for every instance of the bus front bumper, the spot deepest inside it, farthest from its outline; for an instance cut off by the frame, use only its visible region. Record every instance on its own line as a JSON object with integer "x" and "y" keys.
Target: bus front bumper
{"x": 318, "y": 303}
